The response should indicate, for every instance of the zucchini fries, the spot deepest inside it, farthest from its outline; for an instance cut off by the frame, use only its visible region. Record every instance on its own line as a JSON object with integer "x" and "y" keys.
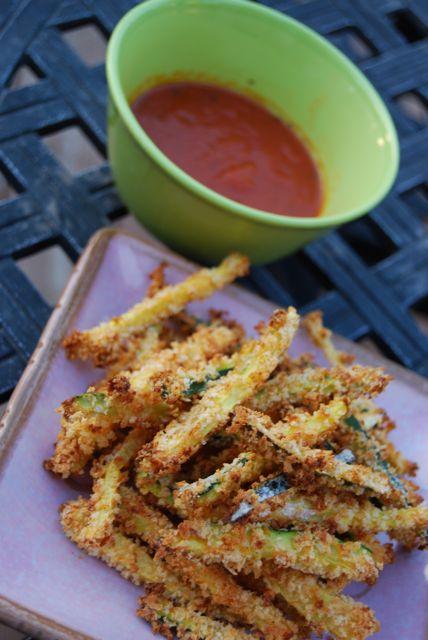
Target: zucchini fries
{"x": 321, "y": 461}
{"x": 343, "y": 513}
{"x": 245, "y": 548}
{"x": 139, "y": 519}
{"x": 103, "y": 344}
{"x": 188, "y": 622}
{"x": 240, "y": 486}
{"x": 151, "y": 394}
{"x": 254, "y": 363}
{"x": 337, "y": 614}
{"x": 204, "y": 494}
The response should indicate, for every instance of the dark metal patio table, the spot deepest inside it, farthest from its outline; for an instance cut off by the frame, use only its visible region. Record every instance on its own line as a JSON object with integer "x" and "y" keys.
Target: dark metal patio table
{"x": 369, "y": 277}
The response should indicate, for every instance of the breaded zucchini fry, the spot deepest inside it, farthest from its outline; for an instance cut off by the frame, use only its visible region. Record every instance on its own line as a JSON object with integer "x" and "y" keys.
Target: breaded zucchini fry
{"x": 250, "y": 501}
{"x": 217, "y": 584}
{"x": 315, "y": 386}
{"x": 90, "y": 421}
{"x": 129, "y": 558}
{"x": 184, "y": 436}
{"x": 320, "y": 460}
{"x": 202, "y": 496}
{"x": 321, "y": 337}
{"x": 396, "y": 460}
{"x": 203, "y": 345}
{"x": 411, "y": 539}
{"x": 368, "y": 450}
{"x": 245, "y": 547}
{"x": 145, "y": 347}
{"x": 304, "y": 428}
{"x": 187, "y": 621}
{"x": 104, "y": 343}
{"x": 109, "y": 473}
{"x": 137, "y": 351}
{"x": 138, "y": 518}
{"x": 378, "y": 424}
{"x": 382, "y": 554}
{"x": 339, "y": 512}
{"x": 323, "y": 609}
{"x": 221, "y": 448}
{"x": 326, "y": 463}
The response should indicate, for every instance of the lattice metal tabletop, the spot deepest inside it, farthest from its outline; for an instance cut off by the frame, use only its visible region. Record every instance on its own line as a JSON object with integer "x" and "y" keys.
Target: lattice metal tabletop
{"x": 368, "y": 277}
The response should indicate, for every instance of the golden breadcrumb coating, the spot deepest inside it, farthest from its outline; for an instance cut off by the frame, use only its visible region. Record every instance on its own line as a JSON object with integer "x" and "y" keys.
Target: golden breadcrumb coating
{"x": 241, "y": 486}
{"x": 242, "y": 547}
{"x": 103, "y": 343}
{"x": 188, "y": 623}
{"x": 319, "y": 460}
{"x": 325, "y": 610}
{"x": 151, "y": 394}
{"x": 338, "y": 512}
{"x": 138, "y": 518}
{"x": 255, "y": 362}
{"x": 321, "y": 337}
{"x": 201, "y": 496}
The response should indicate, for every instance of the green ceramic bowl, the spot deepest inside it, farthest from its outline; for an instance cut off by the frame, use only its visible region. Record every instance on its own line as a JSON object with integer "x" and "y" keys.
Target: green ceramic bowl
{"x": 299, "y": 75}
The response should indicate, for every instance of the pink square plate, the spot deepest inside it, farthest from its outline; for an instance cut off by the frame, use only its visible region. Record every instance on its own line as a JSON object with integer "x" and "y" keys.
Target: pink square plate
{"x": 50, "y": 589}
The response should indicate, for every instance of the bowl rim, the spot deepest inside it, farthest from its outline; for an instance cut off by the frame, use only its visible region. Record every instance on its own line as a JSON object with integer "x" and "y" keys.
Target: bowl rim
{"x": 205, "y": 193}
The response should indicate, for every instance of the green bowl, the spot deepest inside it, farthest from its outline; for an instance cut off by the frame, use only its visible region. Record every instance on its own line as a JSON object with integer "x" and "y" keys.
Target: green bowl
{"x": 297, "y": 73}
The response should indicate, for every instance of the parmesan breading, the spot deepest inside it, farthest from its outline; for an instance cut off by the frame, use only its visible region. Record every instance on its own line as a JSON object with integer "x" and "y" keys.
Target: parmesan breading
{"x": 242, "y": 547}
{"x": 338, "y": 512}
{"x": 188, "y": 622}
{"x": 320, "y": 460}
{"x": 103, "y": 344}
{"x": 324, "y": 610}
{"x": 151, "y": 394}
{"x": 242, "y": 485}
{"x": 315, "y": 386}
{"x": 255, "y": 362}
{"x": 138, "y": 518}
{"x": 322, "y": 338}
{"x": 110, "y": 472}
{"x": 202, "y": 496}
{"x": 129, "y": 558}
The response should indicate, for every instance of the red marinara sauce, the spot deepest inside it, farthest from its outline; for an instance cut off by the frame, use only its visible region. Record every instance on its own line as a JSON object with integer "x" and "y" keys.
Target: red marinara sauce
{"x": 233, "y": 145}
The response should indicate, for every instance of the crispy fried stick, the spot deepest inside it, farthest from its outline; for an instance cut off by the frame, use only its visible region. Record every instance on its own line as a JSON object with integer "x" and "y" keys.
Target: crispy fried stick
{"x": 369, "y": 451}
{"x": 90, "y": 421}
{"x": 110, "y": 472}
{"x": 303, "y": 427}
{"x": 138, "y": 349}
{"x": 315, "y": 386}
{"x": 245, "y": 547}
{"x": 319, "y": 460}
{"x": 138, "y": 518}
{"x": 202, "y": 496}
{"x": 323, "y": 609}
{"x": 340, "y": 513}
{"x": 293, "y": 585}
{"x": 184, "y": 436}
{"x": 139, "y": 352}
{"x": 321, "y": 337}
{"x": 103, "y": 343}
{"x": 306, "y": 429}
{"x": 188, "y": 622}
{"x": 129, "y": 558}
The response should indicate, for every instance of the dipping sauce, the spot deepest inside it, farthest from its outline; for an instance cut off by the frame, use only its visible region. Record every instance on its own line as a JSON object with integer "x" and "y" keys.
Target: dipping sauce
{"x": 232, "y": 145}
